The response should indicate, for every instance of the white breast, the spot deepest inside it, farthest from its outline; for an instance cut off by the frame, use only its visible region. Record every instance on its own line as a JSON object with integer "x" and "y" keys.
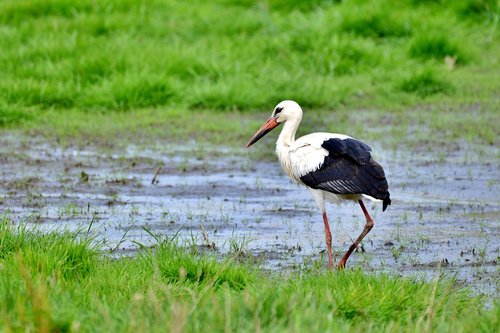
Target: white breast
{"x": 305, "y": 154}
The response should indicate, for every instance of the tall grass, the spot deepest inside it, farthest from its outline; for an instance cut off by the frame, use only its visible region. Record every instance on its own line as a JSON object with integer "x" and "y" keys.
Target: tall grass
{"x": 226, "y": 55}
{"x": 60, "y": 282}
{"x": 426, "y": 83}
{"x": 436, "y": 46}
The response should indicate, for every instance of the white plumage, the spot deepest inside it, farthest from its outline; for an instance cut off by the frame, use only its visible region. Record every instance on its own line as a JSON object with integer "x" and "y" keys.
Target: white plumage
{"x": 333, "y": 166}
{"x": 305, "y": 154}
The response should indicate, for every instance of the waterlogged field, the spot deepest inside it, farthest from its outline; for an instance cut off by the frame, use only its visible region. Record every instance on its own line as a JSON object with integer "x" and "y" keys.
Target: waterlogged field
{"x": 127, "y": 202}
{"x": 210, "y": 203}
{"x": 443, "y": 218}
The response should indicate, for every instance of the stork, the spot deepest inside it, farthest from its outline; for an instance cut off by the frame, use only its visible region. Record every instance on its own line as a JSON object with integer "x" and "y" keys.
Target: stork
{"x": 334, "y": 167}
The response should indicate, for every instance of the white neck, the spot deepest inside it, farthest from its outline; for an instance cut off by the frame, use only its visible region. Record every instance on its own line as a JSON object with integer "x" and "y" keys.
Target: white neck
{"x": 287, "y": 135}
{"x": 285, "y": 140}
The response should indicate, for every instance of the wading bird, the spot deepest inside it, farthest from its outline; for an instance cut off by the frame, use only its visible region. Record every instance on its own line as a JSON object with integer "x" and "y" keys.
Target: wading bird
{"x": 334, "y": 167}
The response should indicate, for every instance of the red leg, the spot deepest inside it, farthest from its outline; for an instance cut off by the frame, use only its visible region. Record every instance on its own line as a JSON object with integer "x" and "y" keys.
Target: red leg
{"x": 328, "y": 236}
{"x": 368, "y": 226}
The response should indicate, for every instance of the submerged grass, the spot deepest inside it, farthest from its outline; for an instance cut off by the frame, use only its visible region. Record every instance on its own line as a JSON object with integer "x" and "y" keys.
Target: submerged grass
{"x": 60, "y": 282}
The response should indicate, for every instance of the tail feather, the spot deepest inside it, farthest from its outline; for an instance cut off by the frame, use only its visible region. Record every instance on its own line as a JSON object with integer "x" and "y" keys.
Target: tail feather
{"x": 386, "y": 202}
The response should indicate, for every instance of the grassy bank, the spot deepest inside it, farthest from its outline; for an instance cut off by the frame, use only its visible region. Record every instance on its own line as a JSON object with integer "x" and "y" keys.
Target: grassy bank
{"x": 97, "y": 58}
{"x": 439, "y": 124}
{"x": 61, "y": 282}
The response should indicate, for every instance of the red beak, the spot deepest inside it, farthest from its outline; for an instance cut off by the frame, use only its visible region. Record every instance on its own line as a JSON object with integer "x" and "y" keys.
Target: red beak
{"x": 263, "y": 130}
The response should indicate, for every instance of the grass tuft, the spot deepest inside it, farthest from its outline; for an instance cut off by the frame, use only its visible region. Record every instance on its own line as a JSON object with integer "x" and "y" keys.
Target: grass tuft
{"x": 477, "y": 9}
{"x": 300, "y": 5}
{"x": 125, "y": 93}
{"x": 177, "y": 265}
{"x": 435, "y": 46}
{"x": 425, "y": 84}
{"x": 376, "y": 24}
{"x": 25, "y": 10}
{"x": 64, "y": 255}
{"x": 10, "y": 116}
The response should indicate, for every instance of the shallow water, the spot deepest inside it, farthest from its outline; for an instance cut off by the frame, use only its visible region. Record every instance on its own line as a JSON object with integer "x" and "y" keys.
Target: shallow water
{"x": 444, "y": 216}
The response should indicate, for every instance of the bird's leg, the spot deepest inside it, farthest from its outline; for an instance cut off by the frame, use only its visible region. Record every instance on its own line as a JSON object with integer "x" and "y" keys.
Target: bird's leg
{"x": 368, "y": 226}
{"x": 328, "y": 236}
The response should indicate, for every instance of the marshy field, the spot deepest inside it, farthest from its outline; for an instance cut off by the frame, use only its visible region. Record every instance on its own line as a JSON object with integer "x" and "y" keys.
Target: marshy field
{"x": 129, "y": 203}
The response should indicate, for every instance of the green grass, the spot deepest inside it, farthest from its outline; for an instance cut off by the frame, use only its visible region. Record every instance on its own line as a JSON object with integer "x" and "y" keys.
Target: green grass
{"x": 133, "y": 71}
{"x": 61, "y": 282}
{"x": 226, "y": 55}
{"x": 106, "y": 71}
{"x": 436, "y": 123}
{"x": 425, "y": 84}
{"x": 437, "y": 47}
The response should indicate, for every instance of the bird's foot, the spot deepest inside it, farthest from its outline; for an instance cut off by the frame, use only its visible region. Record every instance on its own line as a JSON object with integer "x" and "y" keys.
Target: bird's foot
{"x": 341, "y": 265}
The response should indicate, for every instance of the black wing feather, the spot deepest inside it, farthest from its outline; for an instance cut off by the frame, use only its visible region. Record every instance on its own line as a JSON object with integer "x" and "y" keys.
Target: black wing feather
{"x": 349, "y": 169}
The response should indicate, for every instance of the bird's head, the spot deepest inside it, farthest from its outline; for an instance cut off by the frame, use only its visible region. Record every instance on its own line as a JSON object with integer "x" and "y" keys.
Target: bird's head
{"x": 285, "y": 111}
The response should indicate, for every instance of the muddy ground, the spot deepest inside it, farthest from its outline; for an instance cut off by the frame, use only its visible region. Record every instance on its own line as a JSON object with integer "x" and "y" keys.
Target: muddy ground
{"x": 444, "y": 218}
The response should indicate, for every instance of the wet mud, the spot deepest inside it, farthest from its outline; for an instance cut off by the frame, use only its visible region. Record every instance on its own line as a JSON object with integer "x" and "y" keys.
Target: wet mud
{"x": 444, "y": 217}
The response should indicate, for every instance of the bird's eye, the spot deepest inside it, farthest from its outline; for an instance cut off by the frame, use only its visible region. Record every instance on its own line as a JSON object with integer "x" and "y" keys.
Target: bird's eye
{"x": 278, "y": 110}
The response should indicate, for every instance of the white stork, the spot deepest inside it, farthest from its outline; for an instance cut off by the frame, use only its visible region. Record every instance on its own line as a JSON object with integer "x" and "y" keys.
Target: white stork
{"x": 334, "y": 167}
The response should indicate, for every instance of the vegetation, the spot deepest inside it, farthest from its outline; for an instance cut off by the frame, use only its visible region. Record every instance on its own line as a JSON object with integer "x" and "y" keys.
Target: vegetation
{"x": 100, "y": 57}
{"x": 425, "y": 84}
{"x": 419, "y": 72}
{"x": 60, "y": 282}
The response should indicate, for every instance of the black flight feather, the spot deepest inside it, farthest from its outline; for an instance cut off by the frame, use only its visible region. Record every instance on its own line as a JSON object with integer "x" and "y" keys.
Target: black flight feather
{"x": 350, "y": 169}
